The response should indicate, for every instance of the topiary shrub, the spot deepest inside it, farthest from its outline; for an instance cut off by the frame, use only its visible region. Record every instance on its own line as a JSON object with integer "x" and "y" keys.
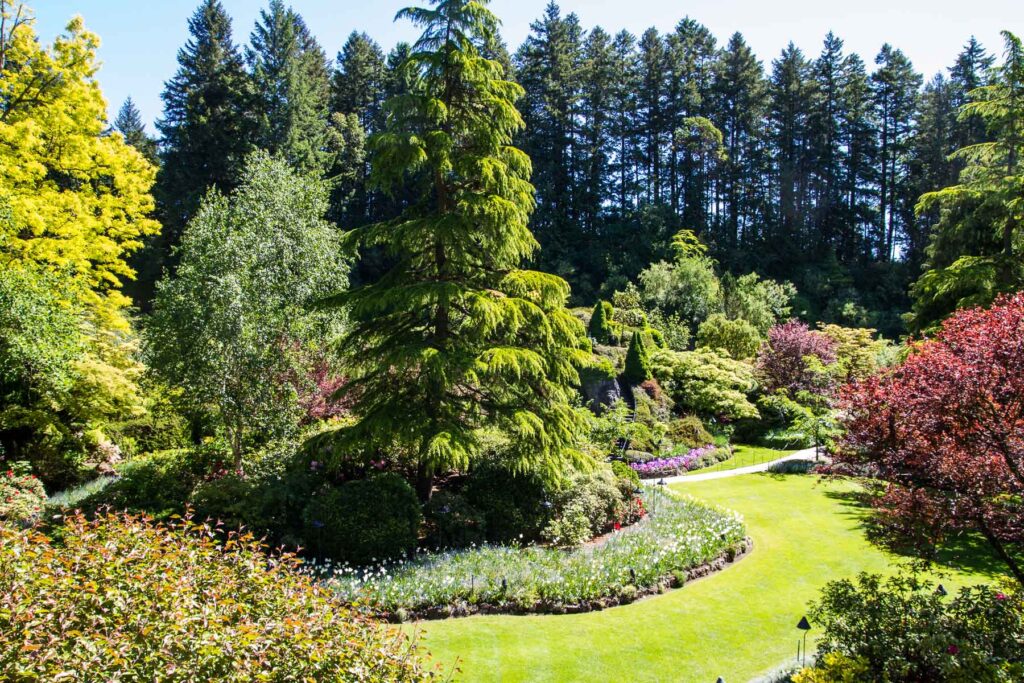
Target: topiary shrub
{"x": 121, "y": 598}
{"x": 600, "y": 327}
{"x": 689, "y": 432}
{"x": 638, "y": 361}
{"x": 22, "y": 497}
{"x": 364, "y": 520}
{"x": 587, "y": 507}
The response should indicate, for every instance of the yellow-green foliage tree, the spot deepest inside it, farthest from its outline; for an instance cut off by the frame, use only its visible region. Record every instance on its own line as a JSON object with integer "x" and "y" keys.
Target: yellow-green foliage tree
{"x": 74, "y": 202}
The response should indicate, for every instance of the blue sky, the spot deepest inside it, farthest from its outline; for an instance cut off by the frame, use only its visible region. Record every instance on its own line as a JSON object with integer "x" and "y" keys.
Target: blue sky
{"x": 141, "y": 38}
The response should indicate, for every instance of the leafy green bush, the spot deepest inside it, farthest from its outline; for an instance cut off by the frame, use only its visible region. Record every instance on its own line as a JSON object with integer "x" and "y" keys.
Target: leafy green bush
{"x": 121, "y": 598}
{"x": 738, "y": 338}
{"x": 364, "y": 520}
{"x": 900, "y": 629}
{"x": 591, "y": 503}
{"x": 706, "y": 382}
{"x": 512, "y": 504}
{"x": 626, "y": 473}
{"x": 689, "y": 432}
{"x": 158, "y": 483}
{"x": 22, "y": 496}
{"x": 453, "y": 522}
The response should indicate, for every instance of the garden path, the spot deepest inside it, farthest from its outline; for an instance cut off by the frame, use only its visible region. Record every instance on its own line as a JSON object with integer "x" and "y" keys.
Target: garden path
{"x": 806, "y": 454}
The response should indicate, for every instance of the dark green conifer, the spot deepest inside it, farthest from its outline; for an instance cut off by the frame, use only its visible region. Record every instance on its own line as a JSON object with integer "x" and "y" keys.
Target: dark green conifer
{"x": 456, "y": 337}
{"x": 638, "y": 361}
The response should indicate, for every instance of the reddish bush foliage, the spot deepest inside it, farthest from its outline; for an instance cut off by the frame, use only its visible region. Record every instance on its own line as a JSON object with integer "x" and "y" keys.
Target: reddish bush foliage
{"x": 323, "y": 400}
{"x": 945, "y": 432}
{"x": 121, "y": 598}
{"x": 782, "y": 361}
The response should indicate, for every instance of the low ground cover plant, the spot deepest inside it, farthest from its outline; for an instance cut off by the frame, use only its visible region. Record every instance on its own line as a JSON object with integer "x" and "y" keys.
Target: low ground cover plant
{"x": 120, "y": 597}
{"x": 679, "y": 535}
{"x": 22, "y": 496}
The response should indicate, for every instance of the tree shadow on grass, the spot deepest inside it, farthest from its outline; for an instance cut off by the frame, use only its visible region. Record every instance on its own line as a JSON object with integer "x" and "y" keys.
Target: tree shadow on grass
{"x": 967, "y": 552}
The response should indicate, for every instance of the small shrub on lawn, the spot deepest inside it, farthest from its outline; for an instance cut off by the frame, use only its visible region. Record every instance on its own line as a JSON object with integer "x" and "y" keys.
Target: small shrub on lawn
{"x": 22, "y": 496}
{"x": 365, "y": 520}
{"x": 682, "y": 533}
{"x": 122, "y": 598}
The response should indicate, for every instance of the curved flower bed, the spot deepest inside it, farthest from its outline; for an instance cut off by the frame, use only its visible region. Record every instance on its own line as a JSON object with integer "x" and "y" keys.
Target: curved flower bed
{"x": 698, "y": 458}
{"x": 681, "y": 539}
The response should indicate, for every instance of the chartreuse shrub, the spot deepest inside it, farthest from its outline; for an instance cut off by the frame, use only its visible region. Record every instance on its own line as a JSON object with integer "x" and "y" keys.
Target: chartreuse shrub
{"x": 638, "y": 361}
{"x": 901, "y": 629}
{"x": 123, "y": 598}
{"x": 600, "y": 326}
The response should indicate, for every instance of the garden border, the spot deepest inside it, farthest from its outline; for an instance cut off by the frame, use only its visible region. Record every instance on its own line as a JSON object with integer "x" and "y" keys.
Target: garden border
{"x": 729, "y": 556}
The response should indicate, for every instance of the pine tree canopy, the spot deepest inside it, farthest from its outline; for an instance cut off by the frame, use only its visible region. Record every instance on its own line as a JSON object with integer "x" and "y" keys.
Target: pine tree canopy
{"x": 974, "y": 254}
{"x": 456, "y": 336}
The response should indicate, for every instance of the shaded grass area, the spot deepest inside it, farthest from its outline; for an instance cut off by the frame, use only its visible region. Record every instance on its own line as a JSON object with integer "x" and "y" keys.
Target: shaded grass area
{"x": 736, "y": 624}
{"x": 745, "y": 456}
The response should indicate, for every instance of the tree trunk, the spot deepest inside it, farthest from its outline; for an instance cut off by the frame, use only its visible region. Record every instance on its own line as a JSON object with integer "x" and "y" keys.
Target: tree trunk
{"x": 424, "y": 483}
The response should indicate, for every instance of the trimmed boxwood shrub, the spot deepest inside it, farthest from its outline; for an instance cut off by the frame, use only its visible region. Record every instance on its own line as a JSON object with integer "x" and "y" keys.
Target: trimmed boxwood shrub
{"x": 626, "y": 473}
{"x": 364, "y": 520}
{"x": 121, "y": 598}
{"x": 512, "y": 505}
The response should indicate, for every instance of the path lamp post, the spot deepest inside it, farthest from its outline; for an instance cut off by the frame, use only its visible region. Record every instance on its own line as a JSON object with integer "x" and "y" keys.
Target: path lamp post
{"x": 661, "y": 487}
{"x": 804, "y": 626}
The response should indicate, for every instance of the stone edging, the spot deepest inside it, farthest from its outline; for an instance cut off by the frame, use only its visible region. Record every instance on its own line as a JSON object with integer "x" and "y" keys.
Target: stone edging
{"x": 463, "y": 609}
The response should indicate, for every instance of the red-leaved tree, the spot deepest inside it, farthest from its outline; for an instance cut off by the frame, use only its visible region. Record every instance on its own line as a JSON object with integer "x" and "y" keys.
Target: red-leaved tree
{"x": 944, "y": 431}
{"x": 782, "y": 362}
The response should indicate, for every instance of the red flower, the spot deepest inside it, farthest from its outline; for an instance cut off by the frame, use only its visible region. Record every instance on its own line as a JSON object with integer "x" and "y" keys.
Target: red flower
{"x": 617, "y": 526}
{"x": 953, "y": 650}
{"x": 1000, "y": 596}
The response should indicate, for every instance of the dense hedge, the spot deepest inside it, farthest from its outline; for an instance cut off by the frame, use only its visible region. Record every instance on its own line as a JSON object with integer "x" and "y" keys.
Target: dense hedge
{"x": 123, "y": 598}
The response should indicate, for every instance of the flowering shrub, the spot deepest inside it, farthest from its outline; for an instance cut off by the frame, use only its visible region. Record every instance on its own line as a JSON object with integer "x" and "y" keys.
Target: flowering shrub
{"x": 122, "y": 598}
{"x": 22, "y": 496}
{"x": 678, "y": 535}
{"x": 901, "y": 629}
{"x": 695, "y": 459}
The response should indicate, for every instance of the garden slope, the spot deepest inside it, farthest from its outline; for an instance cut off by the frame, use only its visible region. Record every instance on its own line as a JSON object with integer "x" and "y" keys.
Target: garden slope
{"x": 735, "y": 624}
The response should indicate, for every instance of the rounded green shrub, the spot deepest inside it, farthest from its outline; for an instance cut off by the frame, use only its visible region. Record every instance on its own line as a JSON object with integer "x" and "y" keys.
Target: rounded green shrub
{"x": 690, "y": 432}
{"x": 738, "y": 338}
{"x": 454, "y": 523}
{"x": 512, "y": 504}
{"x": 626, "y": 473}
{"x": 600, "y": 327}
{"x": 364, "y": 520}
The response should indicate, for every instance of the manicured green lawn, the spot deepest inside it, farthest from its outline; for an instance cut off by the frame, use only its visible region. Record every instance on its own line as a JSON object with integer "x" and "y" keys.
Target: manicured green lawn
{"x": 745, "y": 456}
{"x": 735, "y": 624}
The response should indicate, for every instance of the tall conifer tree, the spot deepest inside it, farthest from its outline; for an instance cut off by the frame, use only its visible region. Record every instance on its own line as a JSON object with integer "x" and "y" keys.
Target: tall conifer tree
{"x": 129, "y": 124}
{"x": 456, "y": 337}
{"x": 208, "y": 126}
{"x": 289, "y": 72}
